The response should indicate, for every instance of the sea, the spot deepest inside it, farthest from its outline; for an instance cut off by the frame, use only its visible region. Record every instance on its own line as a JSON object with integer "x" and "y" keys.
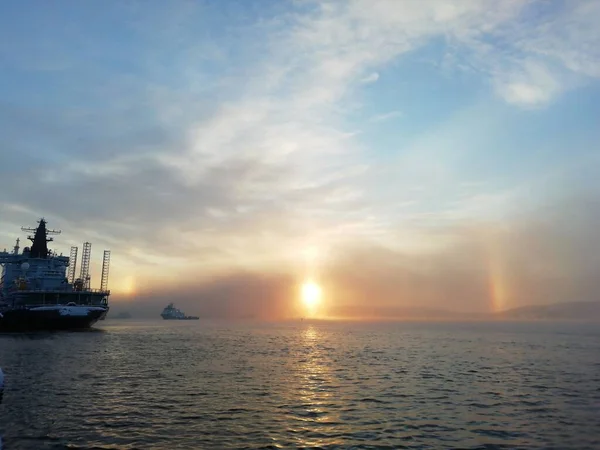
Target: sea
{"x": 323, "y": 385}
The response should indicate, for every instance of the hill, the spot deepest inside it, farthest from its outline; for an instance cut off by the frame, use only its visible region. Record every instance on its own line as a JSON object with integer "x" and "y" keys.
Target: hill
{"x": 561, "y": 311}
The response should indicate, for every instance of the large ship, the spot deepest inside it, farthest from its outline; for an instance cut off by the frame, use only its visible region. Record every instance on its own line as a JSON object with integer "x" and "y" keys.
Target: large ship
{"x": 39, "y": 291}
{"x": 172, "y": 313}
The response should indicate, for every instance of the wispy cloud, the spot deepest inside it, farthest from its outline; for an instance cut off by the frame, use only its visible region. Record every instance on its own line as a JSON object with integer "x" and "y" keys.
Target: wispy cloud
{"x": 386, "y": 116}
{"x": 531, "y": 85}
{"x": 371, "y": 78}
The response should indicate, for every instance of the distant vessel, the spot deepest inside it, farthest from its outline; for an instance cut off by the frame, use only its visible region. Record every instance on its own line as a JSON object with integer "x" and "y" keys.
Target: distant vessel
{"x": 172, "y": 313}
{"x": 37, "y": 293}
{"x": 123, "y": 315}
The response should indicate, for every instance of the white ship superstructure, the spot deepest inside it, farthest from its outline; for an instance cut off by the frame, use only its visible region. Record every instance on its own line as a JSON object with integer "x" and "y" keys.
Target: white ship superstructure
{"x": 172, "y": 313}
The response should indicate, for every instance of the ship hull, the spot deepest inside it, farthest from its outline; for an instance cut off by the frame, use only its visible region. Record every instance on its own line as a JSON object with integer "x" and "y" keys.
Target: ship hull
{"x": 51, "y": 318}
{"x": 181, "y": 318}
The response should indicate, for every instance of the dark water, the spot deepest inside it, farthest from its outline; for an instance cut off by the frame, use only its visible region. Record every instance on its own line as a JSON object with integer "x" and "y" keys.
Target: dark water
{"x": 196, "y": 385}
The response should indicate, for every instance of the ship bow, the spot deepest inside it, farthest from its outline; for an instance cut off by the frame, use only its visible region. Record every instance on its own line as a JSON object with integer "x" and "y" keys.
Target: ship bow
{"x": 56, "y": 317}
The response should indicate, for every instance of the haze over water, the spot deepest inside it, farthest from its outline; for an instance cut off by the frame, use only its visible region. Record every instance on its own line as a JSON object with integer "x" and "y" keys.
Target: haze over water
{"x": 195, "y": 385}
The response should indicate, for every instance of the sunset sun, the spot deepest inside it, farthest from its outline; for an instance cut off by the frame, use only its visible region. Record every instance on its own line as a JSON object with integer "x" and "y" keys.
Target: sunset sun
{"x": 311, "y": 294}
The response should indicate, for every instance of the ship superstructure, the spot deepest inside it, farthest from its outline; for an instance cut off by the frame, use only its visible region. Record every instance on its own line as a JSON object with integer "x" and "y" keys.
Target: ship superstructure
{"x": 38, "y": 288}
{"x": 172, "y": 313}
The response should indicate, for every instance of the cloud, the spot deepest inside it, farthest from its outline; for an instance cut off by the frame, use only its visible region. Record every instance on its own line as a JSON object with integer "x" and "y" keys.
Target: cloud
{"x": 371, "y": 78}
{"x": 544, "y": 257}
{"x": 543, "y": 53}
{"x": 232, "y": 151}
{"x": 528, "y": 52}
{"x": 385, "y": 116}
{"x": 569, "y": 37}
{"x": 533, "y": 85}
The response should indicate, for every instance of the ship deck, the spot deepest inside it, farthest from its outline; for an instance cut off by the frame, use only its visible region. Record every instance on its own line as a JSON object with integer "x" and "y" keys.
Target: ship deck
{"x": 57, "y": 297}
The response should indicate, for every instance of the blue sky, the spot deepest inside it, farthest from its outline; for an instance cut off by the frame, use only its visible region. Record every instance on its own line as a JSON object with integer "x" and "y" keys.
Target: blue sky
{"x": 226, "y": 137}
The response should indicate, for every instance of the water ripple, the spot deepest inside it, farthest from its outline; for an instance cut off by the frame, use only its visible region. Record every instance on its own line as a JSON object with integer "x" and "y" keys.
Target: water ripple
{"x": 187, "y": 386}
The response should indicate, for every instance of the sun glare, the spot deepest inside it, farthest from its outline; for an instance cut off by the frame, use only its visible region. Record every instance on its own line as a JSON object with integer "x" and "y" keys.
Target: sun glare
{"x": 126, "y": 286}
{"x": 311, "y": 294}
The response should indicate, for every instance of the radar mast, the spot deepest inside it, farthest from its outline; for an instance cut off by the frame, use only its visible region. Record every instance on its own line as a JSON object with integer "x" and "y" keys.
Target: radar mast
{"x": 39, "y": 247}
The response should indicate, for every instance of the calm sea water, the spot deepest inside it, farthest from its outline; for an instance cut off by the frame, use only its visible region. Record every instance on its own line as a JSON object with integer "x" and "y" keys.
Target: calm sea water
{"x": 199, "y": 385}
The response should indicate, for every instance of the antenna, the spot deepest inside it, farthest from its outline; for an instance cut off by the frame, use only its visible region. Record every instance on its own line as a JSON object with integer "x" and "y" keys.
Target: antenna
{"x": 84, "y": 272}
{"x": 105, "y": 265}
{"x": 72, "y": 265}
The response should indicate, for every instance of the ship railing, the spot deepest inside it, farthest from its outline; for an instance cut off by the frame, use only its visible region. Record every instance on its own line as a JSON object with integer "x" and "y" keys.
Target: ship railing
{"x": 83, "y": 291}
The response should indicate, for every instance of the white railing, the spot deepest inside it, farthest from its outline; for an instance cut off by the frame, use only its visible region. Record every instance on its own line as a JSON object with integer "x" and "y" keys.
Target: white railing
{"x": 59, "y": 290}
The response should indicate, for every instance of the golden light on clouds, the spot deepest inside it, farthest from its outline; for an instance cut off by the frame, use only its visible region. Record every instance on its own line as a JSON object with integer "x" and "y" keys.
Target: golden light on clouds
{"x": 125, "y": 286}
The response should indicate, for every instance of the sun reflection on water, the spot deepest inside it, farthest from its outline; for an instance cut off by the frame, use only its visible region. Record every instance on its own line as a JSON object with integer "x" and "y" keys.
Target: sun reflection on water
{"x": 314, "y": 397}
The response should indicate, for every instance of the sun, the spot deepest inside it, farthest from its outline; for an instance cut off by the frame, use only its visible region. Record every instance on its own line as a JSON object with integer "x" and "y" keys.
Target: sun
{"x": 311, "y": 294}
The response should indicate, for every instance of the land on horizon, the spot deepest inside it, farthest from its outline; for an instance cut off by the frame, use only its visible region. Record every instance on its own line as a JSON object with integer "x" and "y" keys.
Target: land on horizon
{"x": 577, "y": 311}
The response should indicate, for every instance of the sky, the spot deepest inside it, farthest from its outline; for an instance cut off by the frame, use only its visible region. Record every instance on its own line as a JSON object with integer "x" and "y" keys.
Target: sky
{"x": 440, "y": 155}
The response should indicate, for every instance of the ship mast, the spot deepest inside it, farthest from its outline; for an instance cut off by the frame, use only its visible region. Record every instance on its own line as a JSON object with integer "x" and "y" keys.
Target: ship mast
{"x": 39, "y": 247}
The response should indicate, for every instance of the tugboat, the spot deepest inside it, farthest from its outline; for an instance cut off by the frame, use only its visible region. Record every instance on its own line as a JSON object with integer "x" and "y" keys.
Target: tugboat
{"x": 172, "y": 313}
{"x": 36, "y": 293}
